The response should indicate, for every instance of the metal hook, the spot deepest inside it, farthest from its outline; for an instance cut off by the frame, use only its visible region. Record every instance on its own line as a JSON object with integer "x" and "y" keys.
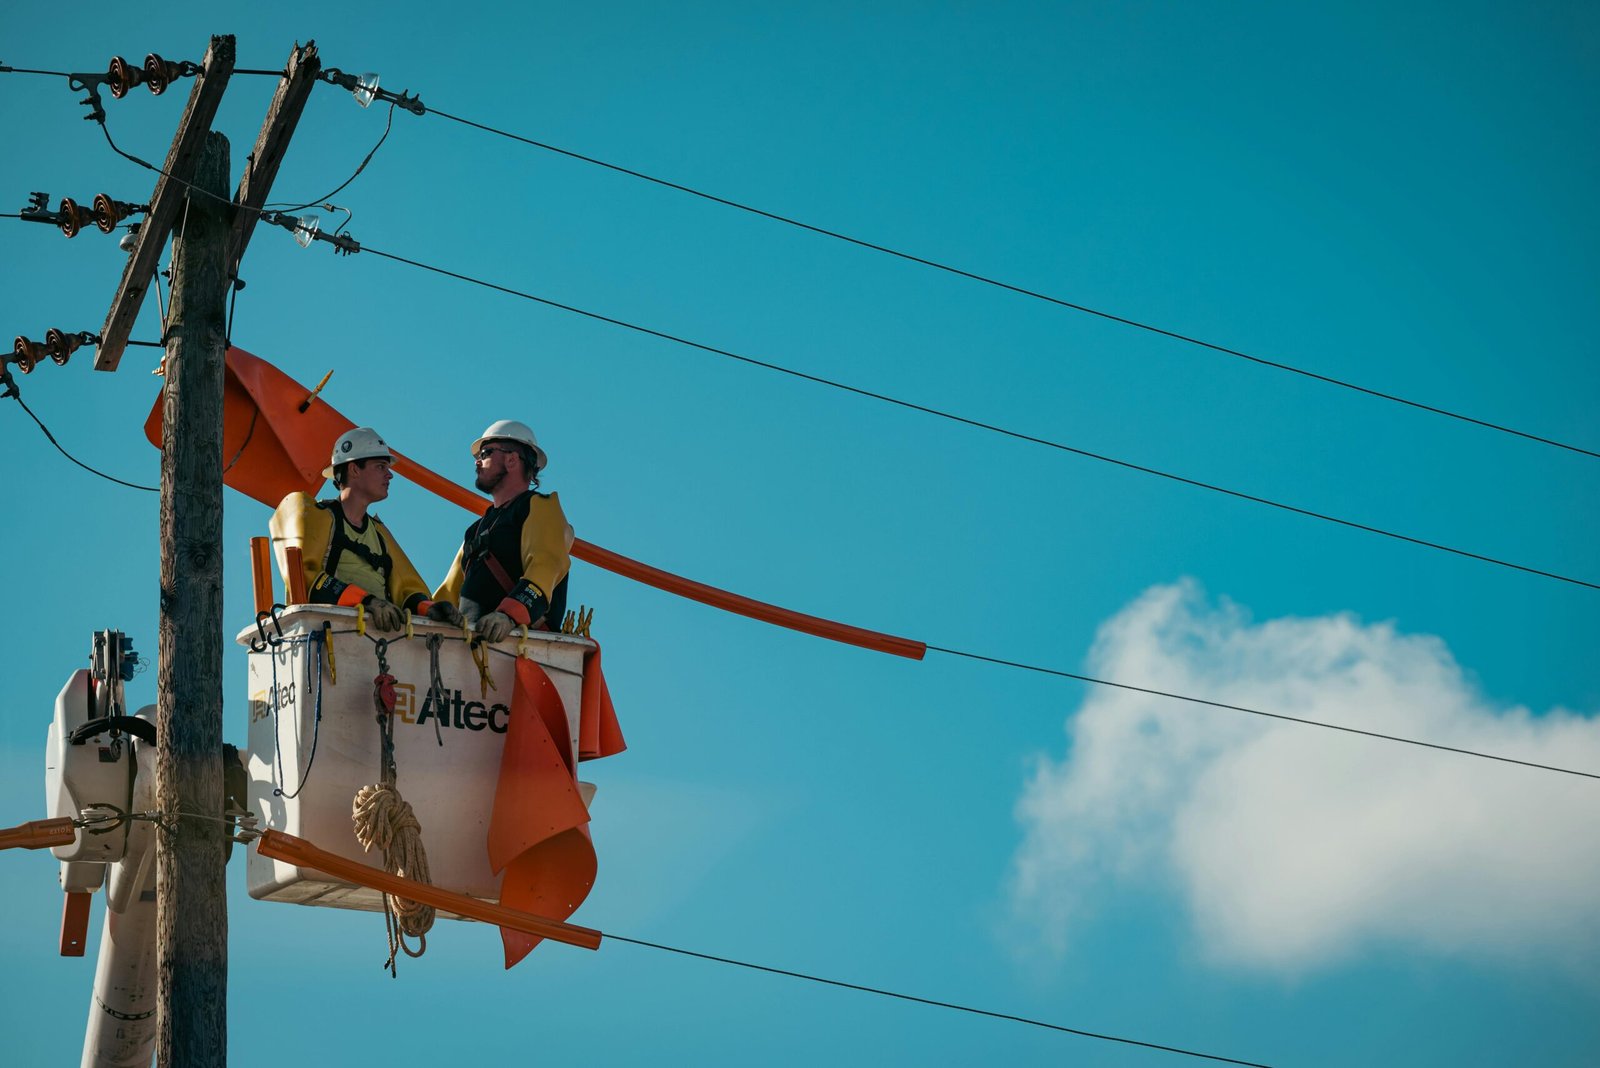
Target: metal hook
{"x": 118, "y": 817}
{"x": 261, "y": 629}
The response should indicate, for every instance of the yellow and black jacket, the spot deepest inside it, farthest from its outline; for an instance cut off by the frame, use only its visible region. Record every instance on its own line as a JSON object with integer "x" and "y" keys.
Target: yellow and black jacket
{"x": 515, "y": 560}
{"x": 321, "y": 531}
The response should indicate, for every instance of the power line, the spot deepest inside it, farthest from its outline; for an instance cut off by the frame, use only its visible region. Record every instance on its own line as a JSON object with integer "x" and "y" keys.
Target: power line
{"x": 1259, "y": 712}
{"x": 10, "y": 390}
{"x": 936, "y": 1004}
{"x": 191, "y": 187}
{"x": 1019, "y": 290}
{"x": 894, "y": 400}
{"x": 991, "y": 427}
{"x": 72, "y": 74}
{"x": 909, "y": 257}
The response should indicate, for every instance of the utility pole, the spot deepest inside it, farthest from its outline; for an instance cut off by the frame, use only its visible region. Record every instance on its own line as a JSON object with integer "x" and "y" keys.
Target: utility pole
{"x": 191, "y": 888}
{"x": 209, "y": 231}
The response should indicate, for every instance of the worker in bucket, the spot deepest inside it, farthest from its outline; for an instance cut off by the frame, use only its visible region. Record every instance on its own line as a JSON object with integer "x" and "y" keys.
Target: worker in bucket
{"x": 349, "y": 556}
{"x": 512, "y": 566}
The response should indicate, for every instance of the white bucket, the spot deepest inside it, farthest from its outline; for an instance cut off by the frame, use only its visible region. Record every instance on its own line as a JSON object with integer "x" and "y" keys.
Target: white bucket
{"x": 304, "y": 775}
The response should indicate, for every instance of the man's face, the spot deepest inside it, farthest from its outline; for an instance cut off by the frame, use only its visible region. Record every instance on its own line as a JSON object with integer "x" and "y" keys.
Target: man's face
{"x": 493, "y": 464}
{"x": 369, "y": 478}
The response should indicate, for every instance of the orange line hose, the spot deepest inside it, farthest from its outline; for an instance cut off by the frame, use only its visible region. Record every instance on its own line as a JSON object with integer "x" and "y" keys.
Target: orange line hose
{"x": 683, "y": 587}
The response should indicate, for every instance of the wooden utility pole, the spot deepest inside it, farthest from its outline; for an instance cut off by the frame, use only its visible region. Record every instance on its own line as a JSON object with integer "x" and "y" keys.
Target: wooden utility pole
{"x": 191, "y": 889}
{"x": 209, "y": 233}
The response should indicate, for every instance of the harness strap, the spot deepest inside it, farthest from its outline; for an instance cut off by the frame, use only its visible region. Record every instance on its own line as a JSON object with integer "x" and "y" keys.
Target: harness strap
{"x": 341, "y": 542}
{"x": 498, "y": 570}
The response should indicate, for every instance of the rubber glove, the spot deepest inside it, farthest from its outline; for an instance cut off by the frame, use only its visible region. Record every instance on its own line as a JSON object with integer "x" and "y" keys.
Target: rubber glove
{"x": 385, "y": 615}
{"x": 445, "y": 612}
{"x": 494, "y": 627}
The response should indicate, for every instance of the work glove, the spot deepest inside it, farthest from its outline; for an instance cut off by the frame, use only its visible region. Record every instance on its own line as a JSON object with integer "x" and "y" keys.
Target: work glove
{"x": 445, "y": 612}
{"x": 385, "y": 615}
{"x": 494, "y": 627}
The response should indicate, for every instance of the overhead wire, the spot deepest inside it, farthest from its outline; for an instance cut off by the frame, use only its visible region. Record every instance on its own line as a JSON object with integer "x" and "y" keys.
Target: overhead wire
{"x": 1259, "y": 712}
{"x": 981, "y": 425}
{"x": 1017, "y": 289}
{"x": 147, "y": 165}
{"x": 935, "y": 1003}
{"x": 912, "y": 258}
{"x": 8, "y": 388}
{"x": 70, "y": 74}
{"x": 363, "y": 166}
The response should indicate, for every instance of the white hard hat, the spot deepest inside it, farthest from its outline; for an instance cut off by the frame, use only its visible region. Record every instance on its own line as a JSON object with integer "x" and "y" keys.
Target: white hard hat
{"x": 362, "y": 443}
{"x": 511, "y": 430}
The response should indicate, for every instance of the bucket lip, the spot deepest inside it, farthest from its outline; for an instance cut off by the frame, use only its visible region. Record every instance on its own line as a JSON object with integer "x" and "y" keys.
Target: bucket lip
{"x": 308, "y": 617}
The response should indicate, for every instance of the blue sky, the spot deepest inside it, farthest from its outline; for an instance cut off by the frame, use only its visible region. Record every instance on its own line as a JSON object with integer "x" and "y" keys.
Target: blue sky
{"x": 1398, "y": 196}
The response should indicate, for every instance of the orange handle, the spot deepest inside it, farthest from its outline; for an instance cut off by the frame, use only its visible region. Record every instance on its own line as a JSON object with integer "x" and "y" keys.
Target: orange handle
{"x": 292, "y": 850}
{"x": 75, "y": 923}
{"x": 38, "y": 834}
{"x": 261, "y": 573}
{"x": 665, "y": 580}
{"x": 294, "y": 586}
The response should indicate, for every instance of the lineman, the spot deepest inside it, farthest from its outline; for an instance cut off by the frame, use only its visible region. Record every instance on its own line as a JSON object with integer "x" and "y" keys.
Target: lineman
{"x": 349, "y": 556}
{"x": 512, "y": 565}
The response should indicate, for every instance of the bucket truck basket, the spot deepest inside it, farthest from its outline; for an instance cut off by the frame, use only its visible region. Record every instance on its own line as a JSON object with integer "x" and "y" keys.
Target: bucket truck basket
{"x": 315, "y": 741}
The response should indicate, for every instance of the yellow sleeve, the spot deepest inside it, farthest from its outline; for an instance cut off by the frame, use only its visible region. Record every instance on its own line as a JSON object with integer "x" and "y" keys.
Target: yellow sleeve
{"x": 406, "y": 587}
{"x": 454, "y": 579}
{"x": 546, "y": 539}
{"x": 298, "y": 521}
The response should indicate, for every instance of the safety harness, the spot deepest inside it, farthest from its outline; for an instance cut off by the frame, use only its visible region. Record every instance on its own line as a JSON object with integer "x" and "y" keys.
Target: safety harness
{"x": 342, "y": 542}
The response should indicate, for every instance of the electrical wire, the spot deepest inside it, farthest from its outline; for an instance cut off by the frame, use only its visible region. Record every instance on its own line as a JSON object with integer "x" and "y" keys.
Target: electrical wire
{"x": 991, "y": 427}
{"x": 147, "y": 165}
{"x": 909, "y": 257}
{"x": 930, "y": 1001}
{"x": 1258, "y": 712}
{"x": 11, "y": 391}
{"x": 318, "y": 201}
{"x": 69, "y": 74}
{"x": 1019, "y": 290}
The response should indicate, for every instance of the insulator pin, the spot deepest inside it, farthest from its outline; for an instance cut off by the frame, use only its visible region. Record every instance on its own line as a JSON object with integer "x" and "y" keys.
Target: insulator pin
{"x": 74, "y": 216}
{"x": 108, "y": 212}
{"x": 160, "y": 73}
{"x": 122, "y": 76}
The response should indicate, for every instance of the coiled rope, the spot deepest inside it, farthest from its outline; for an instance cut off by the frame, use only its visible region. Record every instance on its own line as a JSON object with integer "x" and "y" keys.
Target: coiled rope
{"x": 384, "y": 819}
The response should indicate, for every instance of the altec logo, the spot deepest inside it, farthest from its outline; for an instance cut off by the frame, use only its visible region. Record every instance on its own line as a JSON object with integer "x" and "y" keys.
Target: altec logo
{"x": 275, "y": 698}
{"x": 449, "y": 709}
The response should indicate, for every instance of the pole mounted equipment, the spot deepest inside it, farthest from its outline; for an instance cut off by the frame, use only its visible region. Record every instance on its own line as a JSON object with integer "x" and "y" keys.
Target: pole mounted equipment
{"x": 364, "y": 87}
{"x": 58, "y": 346}
{"x": 73, "y": 217}
{"x": 170, "y": 191}
{"x": 156, "y": 74}
{"x": 308, "y": 228}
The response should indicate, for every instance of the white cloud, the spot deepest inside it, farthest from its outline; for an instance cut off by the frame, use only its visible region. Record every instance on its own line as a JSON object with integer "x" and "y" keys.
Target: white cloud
{"x": 1294, "y": 847}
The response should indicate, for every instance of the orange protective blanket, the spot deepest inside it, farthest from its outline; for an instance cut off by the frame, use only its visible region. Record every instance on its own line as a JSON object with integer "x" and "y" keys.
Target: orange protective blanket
{"x": 599, "y": 733}
{"x": 539, "y": 829}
